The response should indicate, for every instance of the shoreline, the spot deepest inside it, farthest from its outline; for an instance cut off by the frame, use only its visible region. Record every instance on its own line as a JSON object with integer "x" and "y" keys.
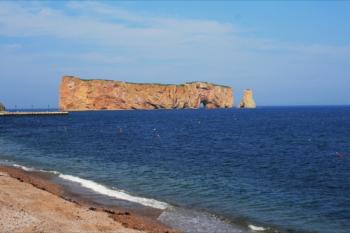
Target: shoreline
{"x": 14, "y": 179}
{"x": 132, "y": 215}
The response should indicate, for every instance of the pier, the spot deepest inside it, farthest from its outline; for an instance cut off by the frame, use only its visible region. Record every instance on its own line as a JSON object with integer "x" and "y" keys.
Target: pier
{"x": 33, "y": 113}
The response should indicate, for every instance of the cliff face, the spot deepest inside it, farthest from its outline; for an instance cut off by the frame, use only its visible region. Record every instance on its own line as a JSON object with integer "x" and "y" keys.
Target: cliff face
{"x": 79, "y": 95}
{"x": 247, "y": 100}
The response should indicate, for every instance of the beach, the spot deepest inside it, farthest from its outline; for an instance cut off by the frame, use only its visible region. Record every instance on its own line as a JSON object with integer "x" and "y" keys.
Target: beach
{"x": 31, "y": 203}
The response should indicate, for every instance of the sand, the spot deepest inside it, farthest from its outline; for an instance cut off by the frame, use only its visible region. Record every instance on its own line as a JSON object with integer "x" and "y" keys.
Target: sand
{"x": 31, "y": 204}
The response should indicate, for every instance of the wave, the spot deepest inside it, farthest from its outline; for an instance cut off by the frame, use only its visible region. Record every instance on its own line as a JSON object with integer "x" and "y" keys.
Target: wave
{"x": 99, "y": 188}
{"x": 29, "y": 169}
{"x": 115, "y": 193}
{"x": 184, "y": 219}
{"x": 256, "y": 228}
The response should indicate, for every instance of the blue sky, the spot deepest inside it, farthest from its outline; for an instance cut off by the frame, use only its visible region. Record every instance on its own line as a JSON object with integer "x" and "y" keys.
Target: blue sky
{"x": 289, "y": 53}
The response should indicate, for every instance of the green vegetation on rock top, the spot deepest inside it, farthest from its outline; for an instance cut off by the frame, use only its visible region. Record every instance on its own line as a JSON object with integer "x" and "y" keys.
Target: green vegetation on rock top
{"x": 159, "y": 84}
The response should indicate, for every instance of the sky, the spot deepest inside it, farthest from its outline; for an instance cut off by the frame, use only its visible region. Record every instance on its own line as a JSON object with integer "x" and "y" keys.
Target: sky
{"x": 287, "y": 52}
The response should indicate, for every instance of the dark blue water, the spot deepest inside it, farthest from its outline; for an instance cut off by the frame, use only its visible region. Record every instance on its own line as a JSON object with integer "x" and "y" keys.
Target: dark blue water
{"x": 286, "y": 168}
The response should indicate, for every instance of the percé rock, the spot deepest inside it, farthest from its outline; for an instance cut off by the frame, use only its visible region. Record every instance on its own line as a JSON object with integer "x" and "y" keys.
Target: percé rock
{"x": 80, "y": 95}
{"x": 247, "y": 100}
{"x": 2, "y": 108}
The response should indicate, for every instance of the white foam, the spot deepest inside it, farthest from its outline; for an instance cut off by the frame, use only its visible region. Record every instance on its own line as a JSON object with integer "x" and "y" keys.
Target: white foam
{"x": 115, "y": 193}
{"x": 54, "y": 172}
{"x": 28, "y": 169}
{"x": 103, "y": 189}
{"x": 256, "y": 228}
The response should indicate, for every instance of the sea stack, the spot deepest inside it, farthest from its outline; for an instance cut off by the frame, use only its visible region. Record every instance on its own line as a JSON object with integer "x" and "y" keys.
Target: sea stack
{"x": 84, "y": 95}
{"x": 247, "y": 100}
{"x": 2, "y": 108}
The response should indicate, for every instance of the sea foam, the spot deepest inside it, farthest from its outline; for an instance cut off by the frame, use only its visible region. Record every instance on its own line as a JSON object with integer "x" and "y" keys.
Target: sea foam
{"x": 115, "y": 193}
{"x": 256, "y": 228}
{"x": 29, "y": 169}
{"x": 101, "y": 189}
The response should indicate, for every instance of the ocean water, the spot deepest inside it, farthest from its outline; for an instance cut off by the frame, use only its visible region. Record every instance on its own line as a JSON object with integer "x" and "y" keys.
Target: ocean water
{"x": 284, "y": 169}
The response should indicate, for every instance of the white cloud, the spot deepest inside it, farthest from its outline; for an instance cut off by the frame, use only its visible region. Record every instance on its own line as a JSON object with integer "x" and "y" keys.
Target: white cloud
{"x": 12, "y": 46}
{"x": 141, "y": 35}
{"x": 151, "y": 33}
{"x": 99, "y": 58}
{"x": 102, "y": 10}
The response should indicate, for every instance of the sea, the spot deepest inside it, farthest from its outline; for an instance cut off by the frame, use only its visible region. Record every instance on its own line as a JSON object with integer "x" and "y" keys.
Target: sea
{"x": 269, "y": 169}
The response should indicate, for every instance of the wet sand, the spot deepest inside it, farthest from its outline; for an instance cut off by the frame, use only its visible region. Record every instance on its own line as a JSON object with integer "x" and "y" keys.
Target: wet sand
{"x": 29, "y": 202}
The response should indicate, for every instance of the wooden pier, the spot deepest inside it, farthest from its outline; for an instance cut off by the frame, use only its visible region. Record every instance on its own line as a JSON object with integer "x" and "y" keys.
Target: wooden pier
{"x": 33, "y": 113}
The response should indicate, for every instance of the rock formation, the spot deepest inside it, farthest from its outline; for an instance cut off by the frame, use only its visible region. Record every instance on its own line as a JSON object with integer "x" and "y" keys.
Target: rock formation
{"x": 2, "y": 107}
{"x": 247, "y": 100}
{"x": 80, "y": 95}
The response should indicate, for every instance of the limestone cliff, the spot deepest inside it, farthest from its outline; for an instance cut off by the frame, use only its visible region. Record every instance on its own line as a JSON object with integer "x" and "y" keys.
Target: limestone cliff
{"x": 80, "y": 95}
{"x": 247, "y": 100}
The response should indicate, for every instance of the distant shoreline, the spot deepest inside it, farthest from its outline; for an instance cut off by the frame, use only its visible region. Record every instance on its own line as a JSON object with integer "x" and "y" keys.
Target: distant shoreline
{"x": 217, "y": 109}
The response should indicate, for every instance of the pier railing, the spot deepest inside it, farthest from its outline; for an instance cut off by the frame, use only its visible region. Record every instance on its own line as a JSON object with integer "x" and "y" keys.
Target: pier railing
{"x": 32, "y": 113}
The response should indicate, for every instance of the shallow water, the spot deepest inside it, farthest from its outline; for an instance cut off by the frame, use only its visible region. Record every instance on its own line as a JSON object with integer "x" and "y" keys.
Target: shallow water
{"x": 285, "y": 168}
